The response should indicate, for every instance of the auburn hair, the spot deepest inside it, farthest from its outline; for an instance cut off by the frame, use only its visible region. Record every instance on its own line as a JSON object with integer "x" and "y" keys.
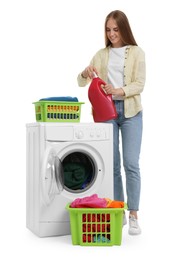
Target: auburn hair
{"x": 124, "y": 28}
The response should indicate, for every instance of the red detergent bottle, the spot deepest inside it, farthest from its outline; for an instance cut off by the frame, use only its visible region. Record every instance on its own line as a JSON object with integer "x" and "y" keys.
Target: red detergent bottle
{"x": 102, "y": 103}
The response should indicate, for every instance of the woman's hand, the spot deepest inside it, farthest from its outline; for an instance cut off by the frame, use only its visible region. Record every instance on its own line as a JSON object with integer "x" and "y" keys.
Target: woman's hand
{"x": 109, "y": 89}
{"x": 90, "y": 72}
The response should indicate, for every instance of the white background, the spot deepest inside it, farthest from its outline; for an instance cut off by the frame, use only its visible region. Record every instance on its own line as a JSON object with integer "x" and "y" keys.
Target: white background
{"x": 43, "y": 47}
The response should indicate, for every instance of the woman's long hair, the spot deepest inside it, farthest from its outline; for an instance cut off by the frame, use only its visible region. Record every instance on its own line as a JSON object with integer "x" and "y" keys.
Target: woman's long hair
{"x": 124, "y": 28}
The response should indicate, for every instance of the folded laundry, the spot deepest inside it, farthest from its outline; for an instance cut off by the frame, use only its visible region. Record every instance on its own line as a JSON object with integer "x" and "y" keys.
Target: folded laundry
{"x": 63, "y": 98}
{"x": 100, "y": 238}
{"x": 94, "y": 201}
{"x": 114, "y": 203}
{"x": 95, "y": 238}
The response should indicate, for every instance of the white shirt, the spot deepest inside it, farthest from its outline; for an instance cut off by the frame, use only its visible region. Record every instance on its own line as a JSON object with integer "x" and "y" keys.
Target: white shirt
{"x": 116, "y": 68}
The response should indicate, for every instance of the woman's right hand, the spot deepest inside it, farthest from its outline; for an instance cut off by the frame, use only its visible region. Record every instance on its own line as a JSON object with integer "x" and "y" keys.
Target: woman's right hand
{"x": 90, "y": 72}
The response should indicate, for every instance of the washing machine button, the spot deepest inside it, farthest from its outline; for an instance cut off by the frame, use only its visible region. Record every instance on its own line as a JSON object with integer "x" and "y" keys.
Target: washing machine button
{"x": 98, "y": 133}
{"x": 92, "y": 134}
{"x": 79, "y": 134}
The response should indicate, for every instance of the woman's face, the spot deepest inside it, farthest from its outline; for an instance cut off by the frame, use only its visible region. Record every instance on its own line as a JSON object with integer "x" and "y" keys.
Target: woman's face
{"x": 113, "y": 34}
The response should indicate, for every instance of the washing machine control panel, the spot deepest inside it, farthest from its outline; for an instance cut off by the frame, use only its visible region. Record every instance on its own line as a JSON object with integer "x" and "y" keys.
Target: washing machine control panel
{"x": 91, "y": 132}
{"x": 77, "y": 131}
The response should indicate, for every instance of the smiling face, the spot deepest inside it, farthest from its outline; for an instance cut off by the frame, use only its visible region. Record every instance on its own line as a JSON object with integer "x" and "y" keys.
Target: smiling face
{"x": 113, "y": 34}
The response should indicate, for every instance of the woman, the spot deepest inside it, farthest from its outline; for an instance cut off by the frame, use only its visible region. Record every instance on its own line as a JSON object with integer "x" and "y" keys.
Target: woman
{"x": 121, "y": 64}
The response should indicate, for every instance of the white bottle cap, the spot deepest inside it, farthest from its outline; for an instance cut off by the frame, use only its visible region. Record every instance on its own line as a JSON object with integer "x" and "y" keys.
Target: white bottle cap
{"x": 94, "y": 75}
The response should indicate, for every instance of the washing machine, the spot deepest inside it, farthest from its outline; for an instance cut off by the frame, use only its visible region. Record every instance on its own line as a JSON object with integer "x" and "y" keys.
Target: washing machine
{"x": 65, "y": 161}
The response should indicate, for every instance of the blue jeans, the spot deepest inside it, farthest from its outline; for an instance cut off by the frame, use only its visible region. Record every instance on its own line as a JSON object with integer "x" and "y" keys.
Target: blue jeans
{"x": 131, "y": 134}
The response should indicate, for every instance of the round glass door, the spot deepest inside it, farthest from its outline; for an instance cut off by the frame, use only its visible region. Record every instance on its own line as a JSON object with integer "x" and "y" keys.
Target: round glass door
{"x": 52, "y": 176}
{"x": 79, "y": 172}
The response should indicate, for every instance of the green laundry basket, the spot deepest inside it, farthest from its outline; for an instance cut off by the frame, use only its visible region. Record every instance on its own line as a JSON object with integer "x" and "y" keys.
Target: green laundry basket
{"x": 57, "y": 111}
{"x": 96, "y": 226}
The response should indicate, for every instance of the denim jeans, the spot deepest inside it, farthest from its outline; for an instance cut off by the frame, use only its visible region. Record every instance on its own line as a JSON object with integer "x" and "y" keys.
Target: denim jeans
{"x": 130, "y": 130}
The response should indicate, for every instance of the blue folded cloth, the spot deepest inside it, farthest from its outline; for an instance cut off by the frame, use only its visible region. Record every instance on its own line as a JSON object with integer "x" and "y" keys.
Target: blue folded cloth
{"x": 100, "y": 238}
{"x": 66, "y": 98}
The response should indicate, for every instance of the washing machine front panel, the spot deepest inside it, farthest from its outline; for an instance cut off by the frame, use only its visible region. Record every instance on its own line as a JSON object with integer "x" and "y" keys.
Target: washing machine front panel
{"x": 92, "y": 141}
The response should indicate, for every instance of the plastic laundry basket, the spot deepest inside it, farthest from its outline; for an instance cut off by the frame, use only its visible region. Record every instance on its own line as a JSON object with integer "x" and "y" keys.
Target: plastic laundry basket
{"x": 57, "y": 111}
{"x": 96, "y": 226}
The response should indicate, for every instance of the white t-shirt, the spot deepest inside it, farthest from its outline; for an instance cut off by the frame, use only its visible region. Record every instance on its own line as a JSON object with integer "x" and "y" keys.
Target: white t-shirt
{"x": 116, "y": 68}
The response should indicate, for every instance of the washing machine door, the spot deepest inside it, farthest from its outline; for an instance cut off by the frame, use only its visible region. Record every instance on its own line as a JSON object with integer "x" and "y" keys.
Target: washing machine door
{"x": 52, "y": 176}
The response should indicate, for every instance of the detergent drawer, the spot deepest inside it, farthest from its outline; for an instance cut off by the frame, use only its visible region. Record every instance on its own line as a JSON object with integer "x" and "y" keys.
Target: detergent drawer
{"x": 58, "y": 133}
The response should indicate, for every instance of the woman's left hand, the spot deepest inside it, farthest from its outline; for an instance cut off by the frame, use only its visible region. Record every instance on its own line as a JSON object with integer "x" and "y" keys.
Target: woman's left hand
{"x": 109, "y": 89}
